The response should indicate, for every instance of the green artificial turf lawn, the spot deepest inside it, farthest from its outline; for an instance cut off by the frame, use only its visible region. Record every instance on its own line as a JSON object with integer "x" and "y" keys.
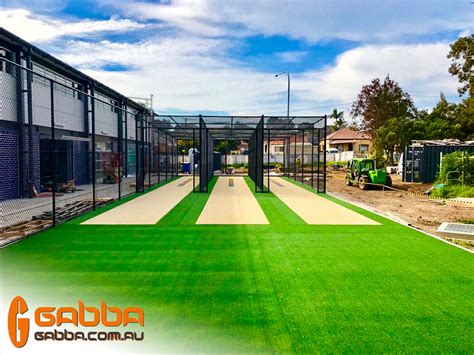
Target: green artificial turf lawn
{"x": 286, "y": 286}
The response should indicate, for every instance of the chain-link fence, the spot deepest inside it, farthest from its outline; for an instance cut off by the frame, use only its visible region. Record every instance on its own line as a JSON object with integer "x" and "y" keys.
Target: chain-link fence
{"x": 66, "y": 149}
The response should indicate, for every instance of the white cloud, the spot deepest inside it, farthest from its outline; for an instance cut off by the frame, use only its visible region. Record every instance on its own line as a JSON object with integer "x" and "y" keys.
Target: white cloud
{"x": 195, "y": 74}
{"x": 419, "y": 69}
{"x": 195, "y": 69}
{"x": 362, "y": 20}
{"x": 292, "y": 56}
{"x": 37, "y": 28}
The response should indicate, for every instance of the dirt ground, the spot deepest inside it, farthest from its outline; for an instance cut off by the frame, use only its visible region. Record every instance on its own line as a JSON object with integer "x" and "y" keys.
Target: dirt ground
{"x": 420, "y": 212}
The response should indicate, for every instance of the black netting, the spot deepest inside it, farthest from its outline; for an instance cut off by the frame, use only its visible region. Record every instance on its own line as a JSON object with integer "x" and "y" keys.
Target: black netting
{"x": 67, "y": 149}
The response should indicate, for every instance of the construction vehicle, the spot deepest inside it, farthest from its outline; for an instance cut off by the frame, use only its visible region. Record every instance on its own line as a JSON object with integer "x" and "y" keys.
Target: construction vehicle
{"x": 363, "y": 172}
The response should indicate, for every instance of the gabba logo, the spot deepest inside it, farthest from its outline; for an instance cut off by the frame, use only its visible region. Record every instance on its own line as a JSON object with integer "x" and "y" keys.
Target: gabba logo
{"x": 81, "y": 316}
{"x": 18, "y": 327}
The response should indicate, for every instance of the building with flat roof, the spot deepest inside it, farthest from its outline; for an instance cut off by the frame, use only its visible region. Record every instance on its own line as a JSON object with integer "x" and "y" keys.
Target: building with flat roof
{"x": 26, "y": 74}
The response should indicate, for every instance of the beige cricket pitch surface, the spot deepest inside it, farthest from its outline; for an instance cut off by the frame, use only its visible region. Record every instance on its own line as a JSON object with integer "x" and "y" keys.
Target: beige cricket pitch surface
{"x": 232, "y": 202}
{"x": 314, "y": 209}
{"x": 149, "y": 208}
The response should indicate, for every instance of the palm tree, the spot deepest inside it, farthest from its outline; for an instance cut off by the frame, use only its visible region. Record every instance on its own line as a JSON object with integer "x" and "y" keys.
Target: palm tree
{"x": 339, "y": 121}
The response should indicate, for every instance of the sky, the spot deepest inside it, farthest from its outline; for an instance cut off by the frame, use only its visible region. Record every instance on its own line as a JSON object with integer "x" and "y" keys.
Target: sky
{"x": 221, "y": 56}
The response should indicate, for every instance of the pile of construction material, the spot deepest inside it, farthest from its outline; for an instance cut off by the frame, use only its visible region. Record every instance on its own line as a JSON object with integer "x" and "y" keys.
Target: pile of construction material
{"x": 17, "y": 231}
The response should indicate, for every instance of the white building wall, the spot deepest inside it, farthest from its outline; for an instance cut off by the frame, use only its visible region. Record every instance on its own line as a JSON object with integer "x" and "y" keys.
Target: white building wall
{"x": 68, "y": 110}
{"x": 106, "y": 122}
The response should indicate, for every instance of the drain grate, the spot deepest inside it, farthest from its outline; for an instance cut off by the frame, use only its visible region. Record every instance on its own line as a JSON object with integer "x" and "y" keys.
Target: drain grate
{"x": 456, "y": 228}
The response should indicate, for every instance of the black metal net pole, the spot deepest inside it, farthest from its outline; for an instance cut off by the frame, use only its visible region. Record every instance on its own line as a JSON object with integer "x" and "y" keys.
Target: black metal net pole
{"x": 175, "y": 153}
{"x": 325, "y": 143}
{"x": 149, "y": 153}
{"x": 120, "y": 142}
{"x": 53, "y": 150}
{"x": 29, "y": 97}
{"x": 177, "y": 157}
{"x": 93, "y": 160}
{"x": 194, "y": 163}
{"x": 125, "y": 155}
{"x": 312, "y": 156}
{"x": 137, "y": 156}
{"x": 159, "y": 157}
{"x": 294, "y": 162}
{"x": 319, "y": 157}
{"x": 142, "y": 180}
{"x": 166, "y": 156}
{"x": 268, "y": 161}
{"x": 302, "y": 157}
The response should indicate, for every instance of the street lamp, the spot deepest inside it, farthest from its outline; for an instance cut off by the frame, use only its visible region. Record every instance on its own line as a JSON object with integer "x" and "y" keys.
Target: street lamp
{"x": 287, "y": 110}
{"x": 288, "y": 99}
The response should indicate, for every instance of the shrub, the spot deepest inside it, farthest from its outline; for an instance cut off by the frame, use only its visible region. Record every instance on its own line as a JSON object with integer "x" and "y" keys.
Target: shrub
{"x": 451, "y": 191}
{"x": 462, "y": 162}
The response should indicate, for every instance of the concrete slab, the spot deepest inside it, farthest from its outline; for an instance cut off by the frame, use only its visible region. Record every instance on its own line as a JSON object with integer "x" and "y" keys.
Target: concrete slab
{"x": 314, "y": 209}
{"x": 146, "y": 209}
{"x": 232, "y": 202}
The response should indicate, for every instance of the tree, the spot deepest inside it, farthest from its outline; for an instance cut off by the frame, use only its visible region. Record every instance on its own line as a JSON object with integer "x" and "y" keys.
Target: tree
{"x": 225, "y": 146}
{"x": 462, "y": 60}
{"x": 387, "y": 113}
{"x": 392, "y": 137}
{"x": 465, "y": 119}
{"x": 378, "y": 102}
{"x": 339, "y": 121}
{"x": 446, "y": 120}
{"x": 184, "y": 144}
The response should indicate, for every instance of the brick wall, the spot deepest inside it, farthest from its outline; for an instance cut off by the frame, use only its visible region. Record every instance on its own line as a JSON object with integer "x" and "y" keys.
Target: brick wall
{"x": 8, "y": 160}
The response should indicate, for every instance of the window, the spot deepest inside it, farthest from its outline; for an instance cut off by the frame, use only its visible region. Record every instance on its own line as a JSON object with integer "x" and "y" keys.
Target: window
{"x": 364, "y": 148}
{"x": 278, "y": 149}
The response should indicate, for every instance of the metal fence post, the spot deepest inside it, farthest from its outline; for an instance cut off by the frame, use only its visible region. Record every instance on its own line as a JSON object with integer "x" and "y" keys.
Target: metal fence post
{"x": 268, "y": 161}
{"x": 93, "y": 160}
{"x": 325, "y": 143}
{"x": 142, "y": 121}
{"x": 294, "y": 161}
{"x": 312, "y": 156}
{"x": 125, "y": 143}
{"x": 302, "y": 157}
{"x": 29, "y": 90}
{"x": 319, "y": 156}
{"x": 159, "y": 156}
{"x": 137, "y": 156}
{"x": 194, "y": 163}
{"x": 120, "y": 142}
{"x": 53, "y": 151}
{"x": 149, "y": 152}
{"x": 166, "y": 156}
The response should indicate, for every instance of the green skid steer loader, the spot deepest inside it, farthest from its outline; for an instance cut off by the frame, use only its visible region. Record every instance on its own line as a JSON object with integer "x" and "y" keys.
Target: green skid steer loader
{"x": 362, "y": 172}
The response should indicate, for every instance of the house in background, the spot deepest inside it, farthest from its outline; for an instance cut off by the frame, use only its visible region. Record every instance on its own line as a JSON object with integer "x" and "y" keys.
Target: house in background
{"x": 242, "y": 149}
{"x": 349, "y": 140}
